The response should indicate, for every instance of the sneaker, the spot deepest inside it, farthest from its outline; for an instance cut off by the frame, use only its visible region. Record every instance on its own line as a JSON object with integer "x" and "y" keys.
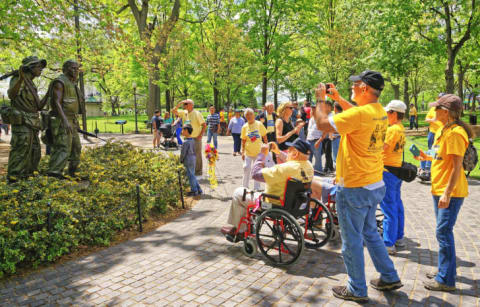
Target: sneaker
{"x": 381, "y": 285}
{"x": 391, "y": 250}
{"x": 191, "y": 193}
{"x": 431, "y": 275}
{"x": 343, "y": 293}
{"x": 434, "y": 285}
{"x": 199, "y": 177}
{"x": 400, "y": 243}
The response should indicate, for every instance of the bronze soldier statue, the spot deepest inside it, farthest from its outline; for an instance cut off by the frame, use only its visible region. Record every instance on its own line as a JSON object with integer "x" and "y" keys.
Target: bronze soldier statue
{"x": 24, "y": 118}
{"x": 65, "y": 103}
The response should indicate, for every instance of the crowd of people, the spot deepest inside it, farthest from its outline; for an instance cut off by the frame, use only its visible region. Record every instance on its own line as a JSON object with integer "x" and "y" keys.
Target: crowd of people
{"x": 363, "y": 145}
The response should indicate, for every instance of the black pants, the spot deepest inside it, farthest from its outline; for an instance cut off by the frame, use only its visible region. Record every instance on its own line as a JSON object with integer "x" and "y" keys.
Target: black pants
{"x": 327, "y": 150}
{"x": 271, "y": 137}
{"x": 237, "y": 142}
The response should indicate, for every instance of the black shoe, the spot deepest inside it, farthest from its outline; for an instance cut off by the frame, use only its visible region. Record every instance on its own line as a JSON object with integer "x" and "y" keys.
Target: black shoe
{"x": 381, "y": 285}
{"x": 191, "y": 193}
{"x": 343, "y": 293}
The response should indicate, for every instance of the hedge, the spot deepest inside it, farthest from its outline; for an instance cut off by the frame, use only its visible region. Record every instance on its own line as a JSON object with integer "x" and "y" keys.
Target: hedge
{"x": 43, "y": 218}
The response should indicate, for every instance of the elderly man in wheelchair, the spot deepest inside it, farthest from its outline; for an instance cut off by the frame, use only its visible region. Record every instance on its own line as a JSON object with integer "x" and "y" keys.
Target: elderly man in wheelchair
{"x": 277, "y": 221}
{"x": 275, "y": 178}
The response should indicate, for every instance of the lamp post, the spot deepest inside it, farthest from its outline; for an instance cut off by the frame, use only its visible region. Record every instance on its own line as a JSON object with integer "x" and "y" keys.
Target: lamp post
{"x": 135, "y": 105}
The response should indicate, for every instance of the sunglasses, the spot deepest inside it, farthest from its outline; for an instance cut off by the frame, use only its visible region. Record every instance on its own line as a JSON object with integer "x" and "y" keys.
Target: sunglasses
{"x": 390, "y": 112}
{"x": 291, "y": 108}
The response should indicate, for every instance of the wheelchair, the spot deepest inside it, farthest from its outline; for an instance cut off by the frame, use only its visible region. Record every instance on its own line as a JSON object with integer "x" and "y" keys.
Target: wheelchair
{"x": 330, "y": 203}
{"x": 281, "y": 229}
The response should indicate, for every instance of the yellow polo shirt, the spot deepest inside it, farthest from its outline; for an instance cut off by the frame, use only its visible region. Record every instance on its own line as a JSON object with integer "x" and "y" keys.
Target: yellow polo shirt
{"x": 454, "y": 141}
{"x": 222, "y": 116}
{"x": 253, "y": 134}
{"x": 413, "y": 111}
{"x": 193, "y": 118}
{"x": 395, "y": 139}
{"x": 360, "y": 156}
{"x": 270, "y": 123}
{"x": 436, "y": 125}
{"x": 276, "y": 176}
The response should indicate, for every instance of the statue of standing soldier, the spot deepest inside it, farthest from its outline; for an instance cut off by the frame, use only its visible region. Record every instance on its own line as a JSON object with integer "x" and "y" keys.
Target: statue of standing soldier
{"x": 25, "y": 120}
{"x": 65, "y": 103}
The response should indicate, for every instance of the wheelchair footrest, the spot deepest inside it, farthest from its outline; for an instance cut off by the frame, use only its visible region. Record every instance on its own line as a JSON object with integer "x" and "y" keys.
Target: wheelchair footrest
{"x": 233, "y": 238}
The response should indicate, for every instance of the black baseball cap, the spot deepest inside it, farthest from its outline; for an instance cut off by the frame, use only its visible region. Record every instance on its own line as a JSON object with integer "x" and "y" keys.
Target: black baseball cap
{"x": 371, "y": 78}
{"x": 300, "y": 145}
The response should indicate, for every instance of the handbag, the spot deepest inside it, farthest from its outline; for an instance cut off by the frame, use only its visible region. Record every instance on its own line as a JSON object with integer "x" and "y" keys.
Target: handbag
{"x": 407, "y": 172}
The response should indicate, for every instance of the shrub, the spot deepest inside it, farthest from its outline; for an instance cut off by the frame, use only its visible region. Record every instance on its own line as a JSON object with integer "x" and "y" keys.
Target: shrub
{"x": 43, "y": 218}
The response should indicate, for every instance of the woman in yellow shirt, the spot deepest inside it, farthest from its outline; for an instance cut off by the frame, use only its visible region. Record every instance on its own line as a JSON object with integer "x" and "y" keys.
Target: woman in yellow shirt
{"x": 252, "y": 135}
{"x": 392, "y": 205}
{"x": 449, "y": 185}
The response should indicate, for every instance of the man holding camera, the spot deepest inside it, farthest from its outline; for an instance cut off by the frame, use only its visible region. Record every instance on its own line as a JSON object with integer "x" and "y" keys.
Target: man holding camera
{"x": 25, "y": 144}
{"x": 360, "y": 185}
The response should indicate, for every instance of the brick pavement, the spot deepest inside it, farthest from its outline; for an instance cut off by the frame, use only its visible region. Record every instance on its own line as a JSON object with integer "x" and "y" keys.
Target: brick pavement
{"x": 188, "y": 262}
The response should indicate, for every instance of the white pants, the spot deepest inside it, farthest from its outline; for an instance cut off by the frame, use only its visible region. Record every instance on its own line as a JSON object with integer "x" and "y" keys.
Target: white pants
{"x": 238, "y": 207}
{"x": 247, "y": 172}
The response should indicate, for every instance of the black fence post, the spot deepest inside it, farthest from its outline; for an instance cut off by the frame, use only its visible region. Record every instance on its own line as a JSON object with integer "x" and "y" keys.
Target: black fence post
{"x": 139, "y": 210}
{"x": 49, "y": 217}
{"x": 181, "y": 188}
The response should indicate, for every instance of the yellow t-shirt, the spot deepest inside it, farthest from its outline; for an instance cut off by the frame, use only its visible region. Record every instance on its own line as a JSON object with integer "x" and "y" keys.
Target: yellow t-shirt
{"x": 230, "y": 115}
{"x": 253, "y": 133}
{"x": 363, "y": 130}
{"x": 193, "y": 118}
{"x": 276, "y": 176}
{"x": 396, "y": 140}
{"x": 436, "y": 125}
{"x": 454, "y": 141}
{"x": 413, "y": 111}
{"x": 270, "y": 123}
{"x": 222, "y": 116}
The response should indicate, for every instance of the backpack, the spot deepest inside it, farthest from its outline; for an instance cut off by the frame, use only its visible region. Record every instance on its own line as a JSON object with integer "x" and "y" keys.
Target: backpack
{"x": 470, "y": 159}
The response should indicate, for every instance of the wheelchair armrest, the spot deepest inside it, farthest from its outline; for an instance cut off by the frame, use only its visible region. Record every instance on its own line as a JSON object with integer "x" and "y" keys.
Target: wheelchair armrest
{"x": 264, "y": 195}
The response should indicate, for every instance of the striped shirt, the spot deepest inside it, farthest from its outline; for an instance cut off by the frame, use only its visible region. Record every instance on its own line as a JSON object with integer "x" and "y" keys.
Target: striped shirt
{"x": 213, "y": 120}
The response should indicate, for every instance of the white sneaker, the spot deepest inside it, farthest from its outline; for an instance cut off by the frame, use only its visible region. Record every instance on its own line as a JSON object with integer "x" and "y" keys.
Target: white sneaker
{"x": 199, "y": 177}
{"x": 400, "y": 243}
{"x": 391, "y": 250}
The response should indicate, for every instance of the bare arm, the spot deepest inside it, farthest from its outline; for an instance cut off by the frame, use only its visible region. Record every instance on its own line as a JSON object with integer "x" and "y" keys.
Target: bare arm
{"x": 333, "y": 93}
{"x": 175, "y": 110}
{"x": 204, "y": 126}
{"x": 279, "y": 129}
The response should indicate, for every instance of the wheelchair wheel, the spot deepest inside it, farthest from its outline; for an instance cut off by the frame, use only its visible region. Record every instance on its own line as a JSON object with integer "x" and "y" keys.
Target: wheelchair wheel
{"x": 320, "y": 226}
{"x": 279, "y": 237}
{"x": 249, "y": 247}
{"x": 379, "y": 217}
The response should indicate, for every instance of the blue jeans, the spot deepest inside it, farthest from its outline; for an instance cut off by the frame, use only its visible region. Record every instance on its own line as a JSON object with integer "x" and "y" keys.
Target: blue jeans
{"x": 317, "y": 153}
{"x": 211, "y": 134}
{"x": 335, "y": 146}
{"x": 178, "y": 133}
{"x": 430, "y": 139}
{"x": 413, "y": 122}
{"x": 356, "y": 216}
{"x": 446, "y": 218}
{"x": 237, "y": 142}
{"x": 392, "y": 208}
{"x": 194, "y": 186}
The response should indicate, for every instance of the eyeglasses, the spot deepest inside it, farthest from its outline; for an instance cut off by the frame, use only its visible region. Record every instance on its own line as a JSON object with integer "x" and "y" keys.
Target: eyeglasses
{"x": 291, "y": 108}
{"x": 186, "y": 104}
{"x": 390, "y": 112}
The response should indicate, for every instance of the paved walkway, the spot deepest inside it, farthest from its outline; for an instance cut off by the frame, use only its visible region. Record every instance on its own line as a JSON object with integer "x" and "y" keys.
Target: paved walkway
{"x": 188, "y": 262}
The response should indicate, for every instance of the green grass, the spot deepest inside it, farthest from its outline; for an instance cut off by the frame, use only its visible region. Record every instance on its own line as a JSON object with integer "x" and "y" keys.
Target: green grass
{"x": 421, "y": 142}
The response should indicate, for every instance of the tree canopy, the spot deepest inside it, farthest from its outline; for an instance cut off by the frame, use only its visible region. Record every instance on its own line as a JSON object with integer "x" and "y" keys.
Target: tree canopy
{"x": 238, "y": 52}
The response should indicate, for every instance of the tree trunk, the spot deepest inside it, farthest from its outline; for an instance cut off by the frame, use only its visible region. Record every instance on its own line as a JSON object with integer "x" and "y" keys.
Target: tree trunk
{"x": 264, "y": 87}
{"x": 153, "y": 95}
{"x": 275, "y": 94}
{"x": 406, "y": 97}
{"x": 216, "y": 96}
{"x": 113, "y": 104}
{"x": 449, "y": 77}
{"x": 167, "y": 99}
{"x": 461, "y": 76}
{"x": 396, "y": 90}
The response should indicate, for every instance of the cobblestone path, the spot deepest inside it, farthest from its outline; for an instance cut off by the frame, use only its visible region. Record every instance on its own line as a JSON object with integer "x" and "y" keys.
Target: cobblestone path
{"x": 188, "y": 262}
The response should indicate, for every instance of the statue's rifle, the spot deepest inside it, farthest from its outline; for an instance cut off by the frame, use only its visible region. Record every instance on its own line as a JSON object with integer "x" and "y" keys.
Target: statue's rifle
{"x": 9, "y": 74}
{"x": 89, "y": 134}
